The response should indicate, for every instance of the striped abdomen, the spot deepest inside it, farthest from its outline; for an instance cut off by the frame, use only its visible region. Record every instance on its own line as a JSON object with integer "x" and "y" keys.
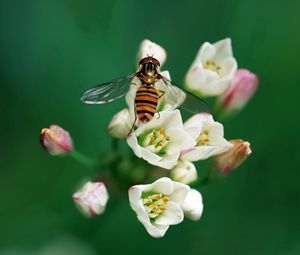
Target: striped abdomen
{"x": 145, "y": 103}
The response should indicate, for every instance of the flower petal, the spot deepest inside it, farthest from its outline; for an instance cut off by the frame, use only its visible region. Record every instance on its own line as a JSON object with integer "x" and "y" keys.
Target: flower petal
{"x": 149, "y": 48}
{"x": 163, "y": 185}
{"x": 193, "y": 206}
{"x": 172, "y": 216}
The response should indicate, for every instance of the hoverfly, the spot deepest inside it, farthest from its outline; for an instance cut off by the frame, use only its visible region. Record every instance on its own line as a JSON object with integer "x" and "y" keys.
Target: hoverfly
{"x": 147, "y": 96}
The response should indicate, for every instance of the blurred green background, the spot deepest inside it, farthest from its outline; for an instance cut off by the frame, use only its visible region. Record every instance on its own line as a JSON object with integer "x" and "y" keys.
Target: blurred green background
{"x": 52, "y": 50}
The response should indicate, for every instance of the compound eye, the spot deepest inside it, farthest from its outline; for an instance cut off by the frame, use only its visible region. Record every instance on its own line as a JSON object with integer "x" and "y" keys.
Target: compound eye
{"x": 155, "y": 62}
{"x": 144, "y": 60}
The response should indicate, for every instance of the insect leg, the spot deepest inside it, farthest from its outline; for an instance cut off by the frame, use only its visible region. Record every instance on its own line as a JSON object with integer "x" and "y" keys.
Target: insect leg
{"x": 162, "y": 93}
{"x": 158, "y": 115}
{"x": 132, "y": 124}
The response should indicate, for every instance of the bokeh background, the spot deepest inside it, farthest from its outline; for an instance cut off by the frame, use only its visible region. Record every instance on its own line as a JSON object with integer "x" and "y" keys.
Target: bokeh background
{"x": 52, "y": 50}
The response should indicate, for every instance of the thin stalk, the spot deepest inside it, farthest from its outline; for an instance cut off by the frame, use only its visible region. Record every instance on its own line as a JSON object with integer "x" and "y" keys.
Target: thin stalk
{"x": 82, "y": 159}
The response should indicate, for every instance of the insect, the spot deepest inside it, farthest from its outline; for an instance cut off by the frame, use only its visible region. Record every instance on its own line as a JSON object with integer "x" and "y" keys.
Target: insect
{"x": 147, "y": 96}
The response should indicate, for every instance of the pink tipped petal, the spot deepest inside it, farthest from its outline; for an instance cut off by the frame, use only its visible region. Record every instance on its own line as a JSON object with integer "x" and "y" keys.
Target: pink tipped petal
{"x": 242, "y": 88}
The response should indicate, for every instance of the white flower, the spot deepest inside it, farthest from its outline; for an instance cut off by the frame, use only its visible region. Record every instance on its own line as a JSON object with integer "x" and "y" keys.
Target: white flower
{"x": 148, "y": 48}
{"x": 209, "y": 136}
{"x": 192, "y": 205}
{"x": 91, "y": 199}
{"x": 161, "y": 140}
{"x": 184, "y": 172}
{"x": 121, "y": 124}
{"x": 158, "y": 205}
{"x": 212, "y": 70}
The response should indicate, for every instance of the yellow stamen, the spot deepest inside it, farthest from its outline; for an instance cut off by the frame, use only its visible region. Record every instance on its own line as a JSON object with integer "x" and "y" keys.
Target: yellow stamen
{"x": 211, "y": 65}
{"x": 203, "y": 138}
{"x": 158, "y": 139}
{"x": 156, "y": 204}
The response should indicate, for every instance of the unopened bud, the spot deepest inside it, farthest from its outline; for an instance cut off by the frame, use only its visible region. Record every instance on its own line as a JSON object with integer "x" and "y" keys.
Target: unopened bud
{"x": 193, "y": 205}
{"x": 230, "y": 160}
{"x": 91, "y": 199}
{"x": 184, "y": 172}
{"x": 120, "y": 125}
{"x": 242, "y": 87}
{"x": 56, "y": 140}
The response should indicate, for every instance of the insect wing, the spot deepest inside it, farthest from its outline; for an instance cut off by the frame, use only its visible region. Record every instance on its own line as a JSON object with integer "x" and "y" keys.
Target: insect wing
{"x": 184, "y": 99}
{"x": 107, "y": 92}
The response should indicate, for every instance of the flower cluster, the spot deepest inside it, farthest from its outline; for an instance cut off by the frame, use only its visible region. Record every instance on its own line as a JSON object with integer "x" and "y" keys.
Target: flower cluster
{"x": 167, "y": 143}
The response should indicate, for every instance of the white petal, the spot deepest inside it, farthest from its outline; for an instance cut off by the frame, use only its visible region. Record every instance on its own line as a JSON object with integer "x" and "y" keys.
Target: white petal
{"x": 172, "y": 216}
{"x": 120, "y": 125}
{"x": 193, "y": 206}
{"x": 133, "y": 144}
{"x": 229, "y": 67}
{"x": 180, "y": 140}
{"x": 200, "y": 153}
{"x": 215, "y": 87}
{"x": 168, "y": 162}
{"x": 150, "y": 156}
{"x": 163, "y": 185}
{"x": 198, "y": 119}
{"x": 156, "y": 230}
{"x": 180, "y": 192}
{"x": 223, "y": 49}
{"x": 135, "y": 194}
{"x": 207, "y": 51}
{"x": 149, "y": 48}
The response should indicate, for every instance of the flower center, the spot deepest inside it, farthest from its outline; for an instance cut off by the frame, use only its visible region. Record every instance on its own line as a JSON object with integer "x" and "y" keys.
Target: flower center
{"x": 212, "y": 65}
{"x": 203, "y": 139}
{"x": 156, "y": 204}
{"x": 157, "y": 140}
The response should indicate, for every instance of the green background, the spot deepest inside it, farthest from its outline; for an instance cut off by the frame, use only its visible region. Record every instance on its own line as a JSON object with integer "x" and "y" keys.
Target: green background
{"x": 52, "y": 50}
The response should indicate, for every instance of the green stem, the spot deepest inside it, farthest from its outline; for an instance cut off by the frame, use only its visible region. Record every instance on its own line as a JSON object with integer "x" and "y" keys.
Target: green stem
{"x": 82, "y": 159}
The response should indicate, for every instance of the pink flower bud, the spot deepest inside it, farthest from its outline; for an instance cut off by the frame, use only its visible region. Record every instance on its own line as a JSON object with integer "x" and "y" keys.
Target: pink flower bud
{"x": 56, "y": 140}
{"x": 230, "y": 160}
{"x": 241, "y": 89}
{"x": 91, "y": 199}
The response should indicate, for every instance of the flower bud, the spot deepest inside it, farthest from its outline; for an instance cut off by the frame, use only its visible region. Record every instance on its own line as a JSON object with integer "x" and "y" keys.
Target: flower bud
{"x": 56, "y": 140}
{"x": 241, "y": 89}
{"x": 148, "y": 48}
{"x": 184, "y": 172}
{"x": 192, "y": 205}
{"x": 120, "y": 125}
{"x": 230, "y": 160}
{"x": 91, "y": 199}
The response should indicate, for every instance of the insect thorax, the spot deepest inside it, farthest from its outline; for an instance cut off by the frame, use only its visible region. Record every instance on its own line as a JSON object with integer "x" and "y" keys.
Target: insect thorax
{"x": 148, "y": 74}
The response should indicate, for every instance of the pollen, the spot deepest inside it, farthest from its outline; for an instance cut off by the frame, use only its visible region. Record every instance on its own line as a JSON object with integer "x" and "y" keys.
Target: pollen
{"x": 156, "y": 204}
{"x": 203, "y": 138}
{"x": 157, "y": 140}
{"x": 212, "y": 65}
